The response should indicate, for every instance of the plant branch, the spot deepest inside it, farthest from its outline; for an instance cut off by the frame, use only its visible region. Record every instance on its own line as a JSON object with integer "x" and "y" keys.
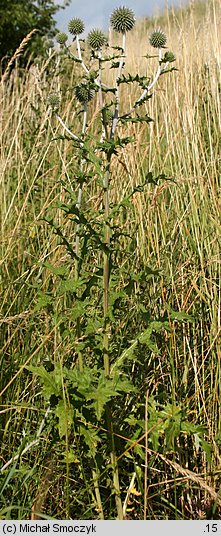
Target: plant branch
{"x": 117, "y": 96}
{"x": 67, "y": 129}
{"x": 151, "y": 85}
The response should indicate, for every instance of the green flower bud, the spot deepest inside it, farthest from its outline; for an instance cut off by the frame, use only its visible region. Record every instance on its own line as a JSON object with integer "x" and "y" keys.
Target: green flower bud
{"x": 158, "y": 39}
{"x": 76, "y": 26}
{"x": 61, "y": 38}
{"x": 49, "y": 43}
{"x": 169, "y": 56}
{"x": 96, "y": 39}
{"x": 122, "y": 19}
{"x": 54, "y": 100}
{"x": 84, "y": 93}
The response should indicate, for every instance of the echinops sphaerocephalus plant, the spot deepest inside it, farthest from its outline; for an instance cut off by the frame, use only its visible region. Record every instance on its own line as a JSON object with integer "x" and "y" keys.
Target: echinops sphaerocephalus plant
{"x": 97, "y": 231}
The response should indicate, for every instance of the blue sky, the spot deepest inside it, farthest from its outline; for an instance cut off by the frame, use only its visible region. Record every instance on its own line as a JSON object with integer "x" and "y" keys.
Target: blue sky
{"x": 96, "y": 13}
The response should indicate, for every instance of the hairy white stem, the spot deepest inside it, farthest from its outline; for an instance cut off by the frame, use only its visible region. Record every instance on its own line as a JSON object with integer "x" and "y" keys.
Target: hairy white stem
{"x": 101, "y": 101}
{"x": 80, "y": 191}
{"x": 96, "y": 81}
{"x": 67, "y": 129}
{"x": 80, "y": 56}
{"x": 120, "y": 68}
{"x": 152, "y": 84}
{"x": 29, "y": 446}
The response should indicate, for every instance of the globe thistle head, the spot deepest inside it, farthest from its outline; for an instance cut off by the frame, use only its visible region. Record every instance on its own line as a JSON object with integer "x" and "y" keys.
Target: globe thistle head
{"x": 96, "y": 39}
{"x": 158, "y": 39}
{"x": 122, "y": 19}
{"x": 54, "y": 101}
{"x": 84, "y": 93}
{"x": 49, "y": 43}
{"x": 76, "y": 26}
{"x": 61, "y": 38}
{"x": 169, "y": 56}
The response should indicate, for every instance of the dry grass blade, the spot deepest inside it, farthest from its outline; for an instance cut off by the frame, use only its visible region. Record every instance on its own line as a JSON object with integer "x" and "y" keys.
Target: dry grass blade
{"x": 190, "y": 475}
{"x": 18, "y": 53}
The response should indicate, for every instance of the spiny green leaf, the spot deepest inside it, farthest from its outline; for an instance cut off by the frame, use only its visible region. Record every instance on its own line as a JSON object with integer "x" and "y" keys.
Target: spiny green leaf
{"x": 123, "y": 385}
{"x": 179, "y": 316}
{"x": 51, "y": 382}
{"x": 70, "y": 285}
{"x": 142, "y": 80}
{"x": 137, "y": 119}
{"x": 208, "y": 449}
{"x": 65, "y": 416}
{"x": 77, "y": 310}
{"x": 101, "y": 394}
{"x": 82, "y": 380}
{"x": 115, "y": 64}
{"x": 91, "y": 439}
{"x": 43, "y": 301}
{"x": 57, "y": 270}
{"x": 169, "y": 70}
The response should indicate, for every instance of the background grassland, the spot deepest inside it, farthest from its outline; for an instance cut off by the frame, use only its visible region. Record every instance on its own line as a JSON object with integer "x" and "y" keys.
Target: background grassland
{"x": 177, "y": 230}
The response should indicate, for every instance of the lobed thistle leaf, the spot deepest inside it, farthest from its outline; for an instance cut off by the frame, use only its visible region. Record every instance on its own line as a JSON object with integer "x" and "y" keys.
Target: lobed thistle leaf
{"x": 84, "y": 93}
{"x": 158, "y": 39}
{"x": 76, "y": 26}
{"x": 122, "y": 19}
{"x": 54, "y": 101}
{"x": 61, "y": 38}
{"x": 96, "y": 39}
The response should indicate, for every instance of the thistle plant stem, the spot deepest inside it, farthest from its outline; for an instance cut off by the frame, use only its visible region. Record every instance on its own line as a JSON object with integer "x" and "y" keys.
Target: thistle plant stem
{"x": 106, "y": 200}
{"x": 109, "y": 413}
{"x": 117, "y": 97}
{"x": 87, "y": 71}
{"x": 101, "y": 103}
{"x": 66, "y": 128}
{"x": 152, "y": 84}
{"x": 80, "y": 56}
{"x": 97, "y": 494}
{"x": 106, "y": 271}
{"x": 77, "y": 242}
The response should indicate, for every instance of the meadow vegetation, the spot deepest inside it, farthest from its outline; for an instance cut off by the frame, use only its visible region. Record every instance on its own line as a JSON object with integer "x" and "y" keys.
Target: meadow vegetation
{"x": 161, "y": 392}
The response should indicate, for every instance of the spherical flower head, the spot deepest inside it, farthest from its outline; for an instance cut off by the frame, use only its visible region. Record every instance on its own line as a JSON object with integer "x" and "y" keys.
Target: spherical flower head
{"x": 169, "y": 56}
{"x": 48, "y": 43}
{"x": 61, "y": 38}
{"x": 54, "y": 101}
{"x": 158, "y": 39}
{"x": 96, "y": 39}
{"x": 122, "y": 19}
{"x": 76, "y": 26}
{"x": 84, "y": 93}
